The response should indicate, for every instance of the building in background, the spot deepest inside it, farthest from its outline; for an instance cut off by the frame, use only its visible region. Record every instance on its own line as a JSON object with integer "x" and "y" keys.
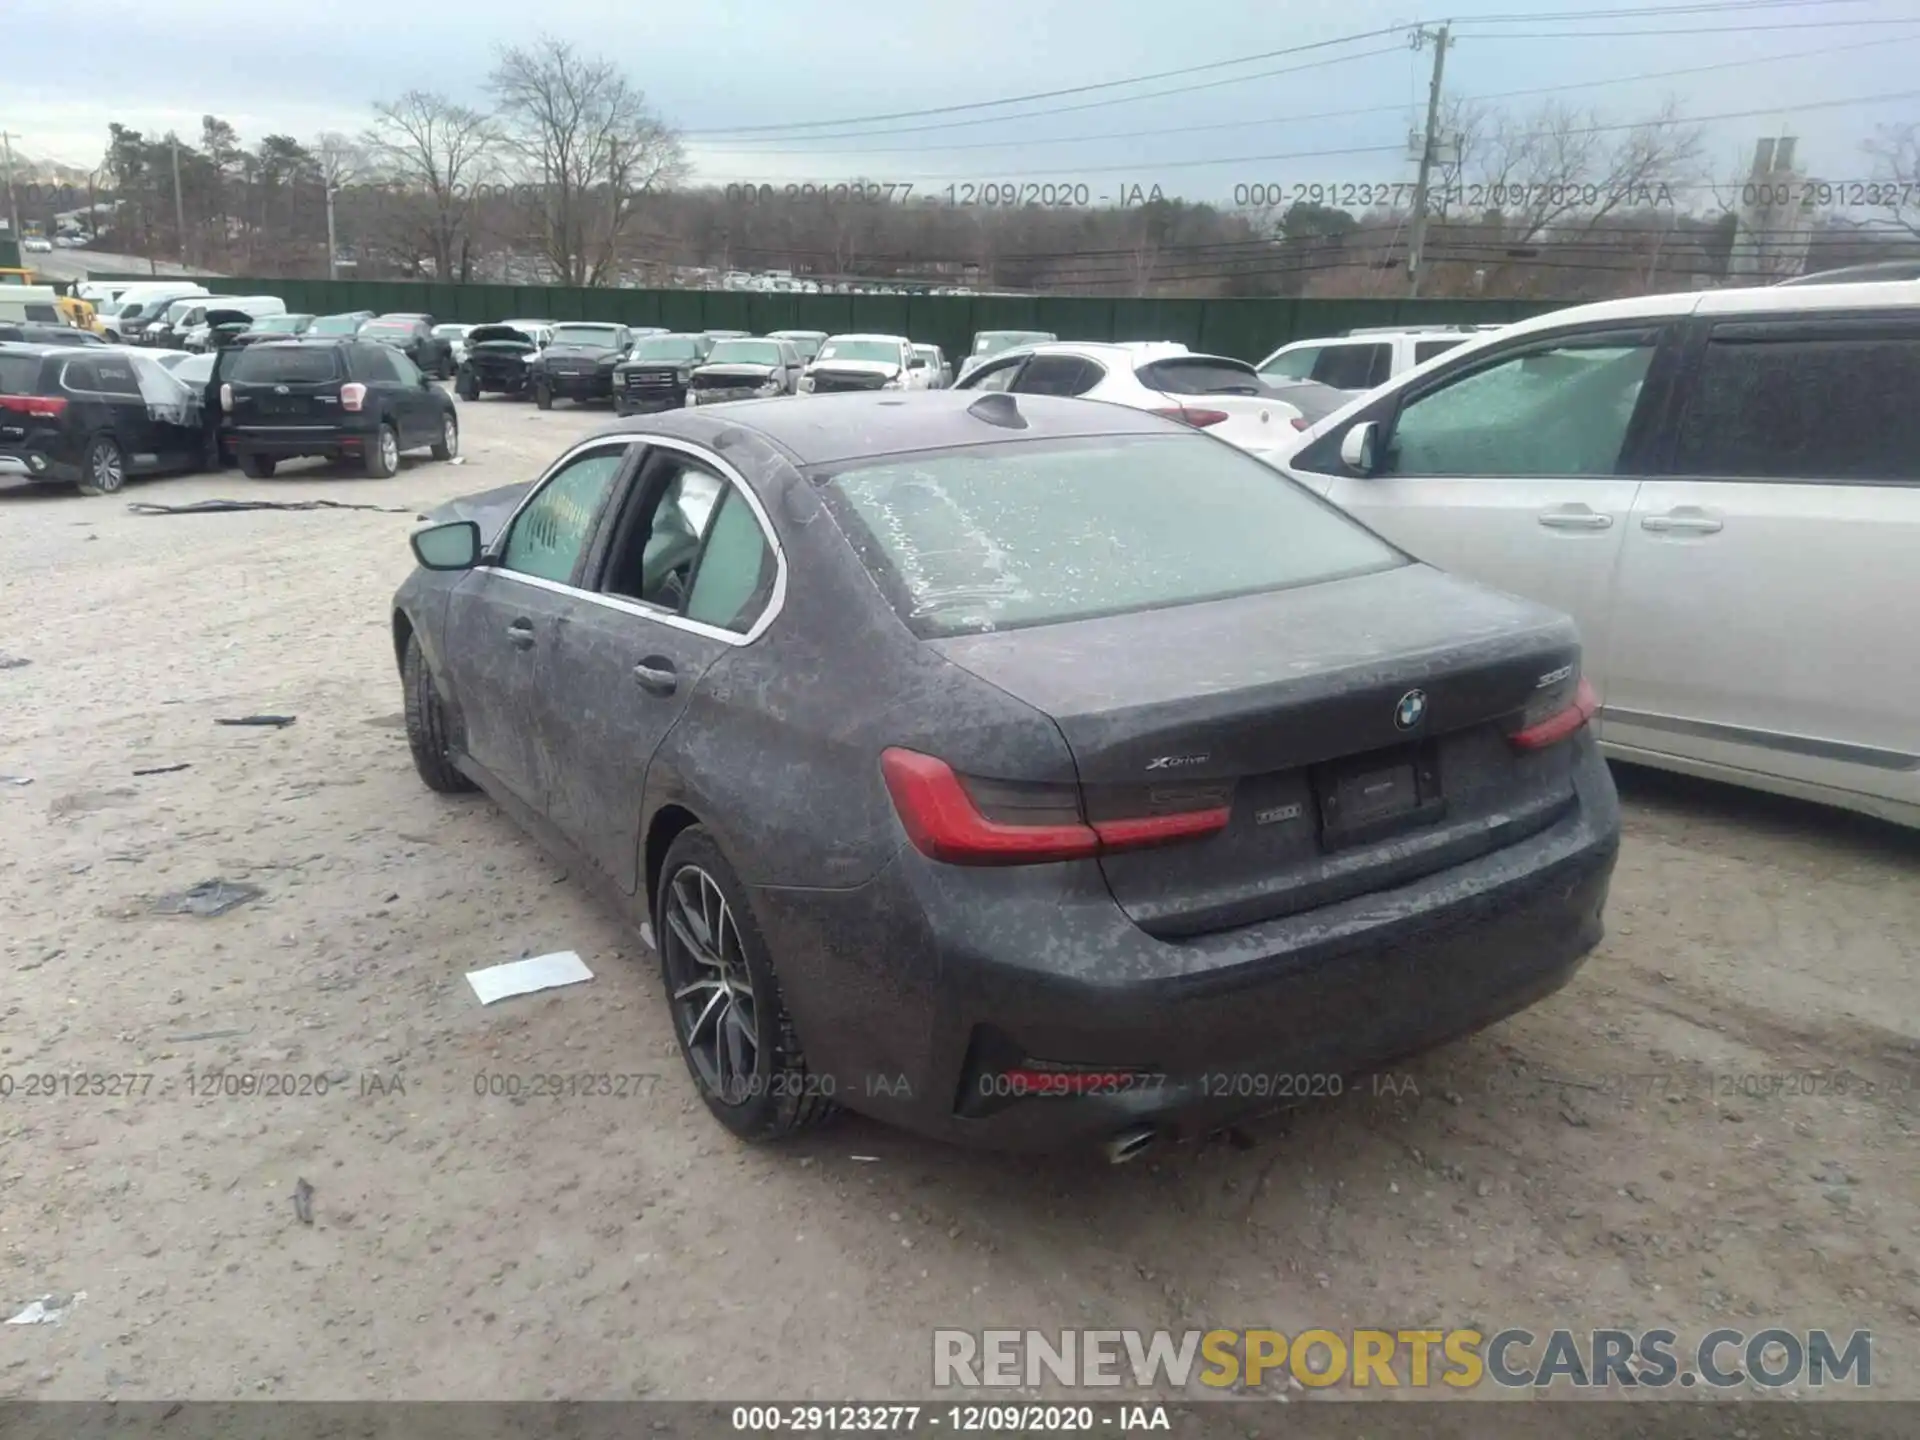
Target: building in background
{"x": 1774, "y": 221}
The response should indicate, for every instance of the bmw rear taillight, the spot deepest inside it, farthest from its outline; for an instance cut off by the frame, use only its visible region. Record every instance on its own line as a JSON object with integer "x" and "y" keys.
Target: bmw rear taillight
{"x": 1192, "y": 415}
{"x": 352, "y": 396}
{"x": 1560, "y": 723}
{"x": 964, "y": 820}
{"x": 35, "y": 407}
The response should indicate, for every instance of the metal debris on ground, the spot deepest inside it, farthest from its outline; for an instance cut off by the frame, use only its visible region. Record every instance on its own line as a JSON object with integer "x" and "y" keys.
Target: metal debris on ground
{"x": 208, "y": 898}
{"x": 279, "y": 721}
{"x": 164, "y": 769}
{"x": 303, "y": 1202}
{"x": 16, "y": 780}
{"x": 217, "y": 507}
{"x": 13, "y": 662}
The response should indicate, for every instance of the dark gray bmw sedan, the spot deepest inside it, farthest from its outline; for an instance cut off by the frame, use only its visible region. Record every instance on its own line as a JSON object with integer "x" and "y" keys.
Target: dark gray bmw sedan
{"x": 1020, "y": 770}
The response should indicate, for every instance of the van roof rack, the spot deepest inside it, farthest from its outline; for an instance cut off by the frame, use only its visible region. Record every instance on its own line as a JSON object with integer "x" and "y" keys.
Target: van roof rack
{"x": 1417, "y": 329}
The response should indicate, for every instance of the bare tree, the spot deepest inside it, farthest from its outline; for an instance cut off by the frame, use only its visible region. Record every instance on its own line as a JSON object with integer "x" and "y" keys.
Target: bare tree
{"x": 589, "y": 148}
{"x": 1895, "y": 152}
{"x": 435, "y": 154}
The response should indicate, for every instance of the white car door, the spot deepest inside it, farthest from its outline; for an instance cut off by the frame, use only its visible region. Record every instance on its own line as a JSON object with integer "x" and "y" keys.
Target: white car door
{"x": 1516, "y": 469}
{"x": 1769, "y": 598}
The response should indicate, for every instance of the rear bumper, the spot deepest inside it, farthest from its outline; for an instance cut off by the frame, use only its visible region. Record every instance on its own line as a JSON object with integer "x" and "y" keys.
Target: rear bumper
{"x": 900, "y": 988}
{"x": 288, "y": 443}
{"x": 53, "y": 466}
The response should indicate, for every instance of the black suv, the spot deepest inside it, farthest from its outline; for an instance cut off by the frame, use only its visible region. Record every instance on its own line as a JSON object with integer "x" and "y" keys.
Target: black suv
{"x": 578, "y": 363}
{"x": 348, "y": 400}
{"x": 93, "y": 418}
{"x": 412, "y": 336}
{"x": 656, "y": 374}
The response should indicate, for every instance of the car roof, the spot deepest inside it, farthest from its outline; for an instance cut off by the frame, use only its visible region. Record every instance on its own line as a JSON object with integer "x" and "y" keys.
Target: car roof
{"x": 822, "y": 429}
{"x": 1745, "y": 300}
{"x": 863, "y": 335}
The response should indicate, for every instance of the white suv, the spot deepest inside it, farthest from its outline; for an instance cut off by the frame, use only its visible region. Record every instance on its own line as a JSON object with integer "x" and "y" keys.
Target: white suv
{"x": 1362, "y": 359}
{"x": 1721, "y": 487}
{"x": 1224, "y": 397}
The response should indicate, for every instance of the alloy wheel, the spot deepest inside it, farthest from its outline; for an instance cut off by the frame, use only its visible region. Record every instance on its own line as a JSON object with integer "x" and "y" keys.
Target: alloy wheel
{"x": 450, "y": 435}
{"x": 712, "y": 991}
{"x": 389, "y": 451}
{"x": 108, "y": 472}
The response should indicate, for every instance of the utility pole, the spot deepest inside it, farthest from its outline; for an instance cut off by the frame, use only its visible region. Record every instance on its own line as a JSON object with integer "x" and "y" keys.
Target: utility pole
{"x": 333, "y": 247}
{"x": 1429, "y": 147}
{"x": 13, "y": 206}
{"x": 179, "y": 205}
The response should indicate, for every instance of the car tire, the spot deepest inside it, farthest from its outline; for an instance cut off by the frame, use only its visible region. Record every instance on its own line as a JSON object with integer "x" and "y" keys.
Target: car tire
{"x": 449, "y": 445}
{"x": 427, "y": 731}
{"x": 382, "y": 460}
{"x": 103, "y": 469}
{"x": 708, "y": 941}
{"x": 466, "y": 386}
{"x": 256, "y": 467}
{"x": 543, "y": 397}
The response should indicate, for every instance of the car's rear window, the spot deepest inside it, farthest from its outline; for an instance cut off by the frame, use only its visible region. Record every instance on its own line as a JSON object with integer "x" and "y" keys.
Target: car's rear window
{"x": 998, "y": 537}
{"x": 19, "y": 374}
{"x": 1200, "y": 375}
{"x": 298, "y": 363}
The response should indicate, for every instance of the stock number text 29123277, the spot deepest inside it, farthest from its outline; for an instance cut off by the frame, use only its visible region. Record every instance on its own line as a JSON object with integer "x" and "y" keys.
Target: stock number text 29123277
{"x": 996, "y": 194}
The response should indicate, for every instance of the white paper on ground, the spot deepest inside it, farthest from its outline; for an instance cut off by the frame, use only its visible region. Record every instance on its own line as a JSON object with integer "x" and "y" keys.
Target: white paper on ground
{"x": 523, "y": 977}
{"x": 47, "y": 1310}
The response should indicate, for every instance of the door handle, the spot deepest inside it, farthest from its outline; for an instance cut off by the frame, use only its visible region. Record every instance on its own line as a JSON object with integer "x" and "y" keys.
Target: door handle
{"x": 1574, "y": 517}
{"x": 520, "y": 634}
{"x": 1686, "y": 521}
{"x": 656, "y": 675}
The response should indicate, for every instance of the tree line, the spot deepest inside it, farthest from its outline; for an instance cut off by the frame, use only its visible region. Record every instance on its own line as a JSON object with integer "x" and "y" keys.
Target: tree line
{"x": 570, "y": 177}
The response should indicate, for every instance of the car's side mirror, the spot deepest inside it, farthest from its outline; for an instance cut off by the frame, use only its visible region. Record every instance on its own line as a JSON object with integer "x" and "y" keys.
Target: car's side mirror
{"x": 452, "y": 546}
{"x": 1359, "y": 448}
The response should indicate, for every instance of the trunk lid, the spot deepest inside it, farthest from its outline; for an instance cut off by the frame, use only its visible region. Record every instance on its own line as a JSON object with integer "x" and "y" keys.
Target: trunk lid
{"x": 1356, "y": 729}
{"x": 286, "y": 385}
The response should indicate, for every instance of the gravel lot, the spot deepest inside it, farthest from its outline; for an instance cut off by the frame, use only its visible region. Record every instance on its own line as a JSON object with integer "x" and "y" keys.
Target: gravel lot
{"x": 1655, "y": 1145}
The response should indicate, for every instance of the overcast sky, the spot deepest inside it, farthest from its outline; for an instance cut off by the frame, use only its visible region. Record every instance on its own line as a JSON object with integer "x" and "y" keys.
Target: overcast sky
{"x": 715, "y": 67}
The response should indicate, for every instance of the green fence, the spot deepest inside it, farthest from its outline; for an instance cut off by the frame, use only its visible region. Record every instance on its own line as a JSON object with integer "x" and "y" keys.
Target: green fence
{"x": 1246, "y": 328}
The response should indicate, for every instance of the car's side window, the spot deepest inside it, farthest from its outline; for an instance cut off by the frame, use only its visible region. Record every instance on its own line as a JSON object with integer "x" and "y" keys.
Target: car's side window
{"x": 1353, "y": 367}
{"x": 734, "y": 575}
{"x": 404, "y": 369}
{"x": 1814, "y": 401}
{"x": 549, "y": 534}
{"x": 654, "y": 554}
{"x": 1294, "y": 364}
{"x": 1556, "y": 409}
{"x": 1058, "y": 375}
{"x": 994, "y": 377}
{"x": 374, "y": 363}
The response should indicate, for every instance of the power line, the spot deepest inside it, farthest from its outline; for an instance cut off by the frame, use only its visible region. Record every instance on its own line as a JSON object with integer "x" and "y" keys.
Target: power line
{"x": 1069, "y": 90}
{"x": 1143, "y": 169}
{"x": 1683, "y": 30}
{"x": 1025, "y": 142}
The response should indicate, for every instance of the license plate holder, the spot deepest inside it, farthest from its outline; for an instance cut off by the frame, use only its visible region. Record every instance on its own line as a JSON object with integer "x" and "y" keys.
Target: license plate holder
{"x": 1367, "y": 797}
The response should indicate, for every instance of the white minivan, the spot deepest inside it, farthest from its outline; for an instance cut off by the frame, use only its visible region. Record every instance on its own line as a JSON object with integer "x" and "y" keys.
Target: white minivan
{"x": 1721, "y": 487}
{"x": 190, "y": 330}
{"x": 140, "y": 305}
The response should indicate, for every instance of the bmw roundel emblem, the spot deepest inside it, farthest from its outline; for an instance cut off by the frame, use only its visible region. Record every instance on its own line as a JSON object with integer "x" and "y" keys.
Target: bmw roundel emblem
{"x": 1411, "y": 709}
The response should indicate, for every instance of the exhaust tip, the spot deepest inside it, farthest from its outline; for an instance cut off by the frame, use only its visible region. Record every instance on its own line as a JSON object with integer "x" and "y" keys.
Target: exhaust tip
{"x": 1130, "y": 1144}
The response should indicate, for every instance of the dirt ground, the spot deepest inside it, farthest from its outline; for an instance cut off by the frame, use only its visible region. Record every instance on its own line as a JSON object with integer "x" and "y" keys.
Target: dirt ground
{"x": 1655, "y": 1145}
